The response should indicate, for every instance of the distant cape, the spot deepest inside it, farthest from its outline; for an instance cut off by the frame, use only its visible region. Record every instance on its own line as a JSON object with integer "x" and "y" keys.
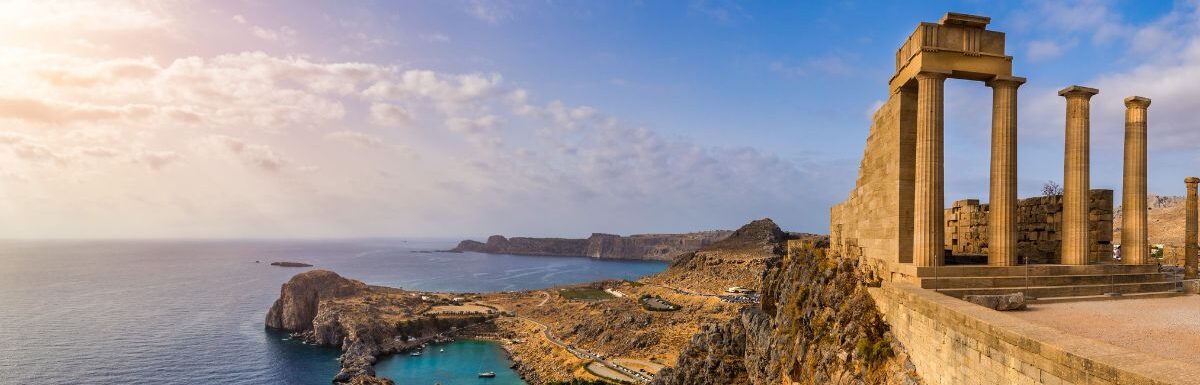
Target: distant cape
{"x": 657, "y": 247}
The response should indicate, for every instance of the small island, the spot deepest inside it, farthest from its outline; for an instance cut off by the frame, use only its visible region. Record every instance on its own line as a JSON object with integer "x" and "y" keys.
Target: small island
{"x": 290, "y": 264}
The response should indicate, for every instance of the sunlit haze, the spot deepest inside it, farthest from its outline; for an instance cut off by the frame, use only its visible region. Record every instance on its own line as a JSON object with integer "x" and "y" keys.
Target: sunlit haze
{"x": 459, "y": 118}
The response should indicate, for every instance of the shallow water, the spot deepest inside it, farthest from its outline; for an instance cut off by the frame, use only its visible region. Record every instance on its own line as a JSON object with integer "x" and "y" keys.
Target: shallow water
{"x": 188, "y": 312}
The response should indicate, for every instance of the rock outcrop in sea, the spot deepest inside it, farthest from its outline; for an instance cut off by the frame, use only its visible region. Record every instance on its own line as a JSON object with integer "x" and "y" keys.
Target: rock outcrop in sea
{"x": 300, "y": 297}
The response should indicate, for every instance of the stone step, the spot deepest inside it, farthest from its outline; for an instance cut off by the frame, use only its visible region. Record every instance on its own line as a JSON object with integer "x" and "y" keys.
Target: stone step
{"x": 1039, "y": 280}
{"x": 1007, "y": 271}
{"x": 1065, "y": 291}
{"x": 1155, "y": 294}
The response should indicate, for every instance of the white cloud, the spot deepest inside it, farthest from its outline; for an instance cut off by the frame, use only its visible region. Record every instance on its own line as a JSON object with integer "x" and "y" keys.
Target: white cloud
{"x": 1040, "y": 50}
{"x": 491, "y": 11}
{"x": 356, "y": 138}
{"x": 383, "y": 114}
{"x": 260, "y": 156}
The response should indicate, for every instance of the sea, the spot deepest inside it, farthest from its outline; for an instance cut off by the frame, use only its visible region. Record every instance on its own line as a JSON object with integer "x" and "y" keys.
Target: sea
{"x": 191, "y": 311}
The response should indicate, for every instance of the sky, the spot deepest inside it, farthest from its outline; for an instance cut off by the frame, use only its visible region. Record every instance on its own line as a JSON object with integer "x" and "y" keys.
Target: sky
{"x": 463, "y": 118}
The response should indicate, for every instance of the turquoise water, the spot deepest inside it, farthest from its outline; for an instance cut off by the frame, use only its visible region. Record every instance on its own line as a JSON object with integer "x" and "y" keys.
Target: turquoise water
{"x": 191, "y": 312}
{"x": 460, "y": 364}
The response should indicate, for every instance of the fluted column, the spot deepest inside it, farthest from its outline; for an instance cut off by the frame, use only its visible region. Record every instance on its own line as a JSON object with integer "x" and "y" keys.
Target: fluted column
{"x": 1002, "y": 217}
{"x": 929, "y": 199}
{"x": 1075, "y": 242}
{"x": 1135, "y": 249}
{"x": 1189, "y": 235}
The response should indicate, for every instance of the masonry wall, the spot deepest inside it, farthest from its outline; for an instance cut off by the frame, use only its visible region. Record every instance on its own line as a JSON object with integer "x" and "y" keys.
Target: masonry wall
{"x": 954, "y": 342}
{"x": 1039, "y": 227}
{"x": 876, "y": 218}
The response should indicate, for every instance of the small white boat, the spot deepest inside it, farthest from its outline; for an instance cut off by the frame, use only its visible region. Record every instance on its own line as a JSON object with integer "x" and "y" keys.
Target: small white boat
{"x": 441, "y": 350}
{"x": 415, "y": 354}
{"x": 488, "y": 374}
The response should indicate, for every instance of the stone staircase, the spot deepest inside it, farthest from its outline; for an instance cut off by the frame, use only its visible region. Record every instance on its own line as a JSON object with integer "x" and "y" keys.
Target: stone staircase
{"x": 1050, "y": 283}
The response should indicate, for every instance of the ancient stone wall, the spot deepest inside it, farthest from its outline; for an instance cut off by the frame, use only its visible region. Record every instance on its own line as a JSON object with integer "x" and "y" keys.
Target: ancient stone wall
{"x": 955, "y": 342}
{"x": 1039, "y": 228}
{"x": 876, "y": 219}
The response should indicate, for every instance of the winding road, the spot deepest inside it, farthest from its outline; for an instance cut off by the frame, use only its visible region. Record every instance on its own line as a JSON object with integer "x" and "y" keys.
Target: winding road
{"x": 584, "y": 354}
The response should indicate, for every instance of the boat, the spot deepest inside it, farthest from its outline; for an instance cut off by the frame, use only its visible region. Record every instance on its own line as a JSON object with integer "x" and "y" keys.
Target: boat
{"x": 415, "y": 354}
{"x": 441, "y": 350}
{"x": 488, "y": 374}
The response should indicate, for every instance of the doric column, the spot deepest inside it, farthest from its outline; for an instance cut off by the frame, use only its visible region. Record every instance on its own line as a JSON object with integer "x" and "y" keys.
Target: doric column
{"x": 1002, "y": 217}
{"x": 1189, "y": 235}
{"x": 1075, "y": 242}
{"x": 1135, "y": 248}
{"x": 929, "y": 198}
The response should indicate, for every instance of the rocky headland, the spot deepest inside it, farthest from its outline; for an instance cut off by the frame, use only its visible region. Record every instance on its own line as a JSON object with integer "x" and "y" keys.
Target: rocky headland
{"x": 660, "y": 247}
{"x": 322, "y": 308}
{"x": 290, "y": 264}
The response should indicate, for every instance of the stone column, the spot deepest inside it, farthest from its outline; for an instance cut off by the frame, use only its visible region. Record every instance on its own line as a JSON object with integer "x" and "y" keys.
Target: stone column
{"x": 1002, "y": 217}
{"x": 1189, "y": 234}
{"x": 929, "y": 199}
{"x": 1135, "y": 249}
{"x": 1075, "y": 243}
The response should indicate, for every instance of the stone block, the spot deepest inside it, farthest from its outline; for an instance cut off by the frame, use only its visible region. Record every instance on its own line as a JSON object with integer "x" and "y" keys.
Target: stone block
{"x": 1001, "y": 302}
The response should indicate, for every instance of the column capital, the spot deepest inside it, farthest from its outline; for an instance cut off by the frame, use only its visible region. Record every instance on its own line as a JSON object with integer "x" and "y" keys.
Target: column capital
{"x": 1013, "y": 82}
{"x": 932, "y": 75}
{"x": 1137, "y": 102}
{"x": 1078, "y": 92}
{"x": 1191, "y": 181}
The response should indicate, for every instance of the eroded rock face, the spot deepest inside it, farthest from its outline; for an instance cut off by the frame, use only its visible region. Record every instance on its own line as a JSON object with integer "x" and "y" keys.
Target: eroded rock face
{"x": 713, "y": 356}
{"x": 816, "y": 325}
{"x": 300, "y": 296}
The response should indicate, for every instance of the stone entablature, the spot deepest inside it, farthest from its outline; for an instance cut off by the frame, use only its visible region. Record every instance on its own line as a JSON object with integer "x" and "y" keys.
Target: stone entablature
{"x": 1039, "y": 228}
{"x": 958, "y": 46}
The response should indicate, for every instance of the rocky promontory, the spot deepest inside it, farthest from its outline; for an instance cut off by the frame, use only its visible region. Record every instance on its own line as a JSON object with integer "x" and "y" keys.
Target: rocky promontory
{"x": 660, "y": 247}
{"x": 322, "y": 308}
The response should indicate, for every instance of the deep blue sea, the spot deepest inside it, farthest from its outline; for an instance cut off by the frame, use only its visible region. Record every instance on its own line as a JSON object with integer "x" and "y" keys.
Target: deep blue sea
{"x": 191, "y": 312}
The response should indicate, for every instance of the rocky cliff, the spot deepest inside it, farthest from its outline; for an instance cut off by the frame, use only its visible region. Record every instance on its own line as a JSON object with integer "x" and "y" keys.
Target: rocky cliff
{"x": 299, "y": 298}
{"x": 606, "y": 246}
{"x": 816, "y": 325}
{"x": 323, "y": 308}
{"x": 737, "y": 260}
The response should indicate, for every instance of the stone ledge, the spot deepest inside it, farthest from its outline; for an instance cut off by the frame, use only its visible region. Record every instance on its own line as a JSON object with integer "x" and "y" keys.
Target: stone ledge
{"x": 954, "y": 329}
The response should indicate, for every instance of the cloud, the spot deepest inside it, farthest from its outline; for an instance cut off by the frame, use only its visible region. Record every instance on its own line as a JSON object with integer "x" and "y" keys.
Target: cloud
{"x": 356, "y": 138}
{"x": 492, "y": 12}
{"x": 57, "y": 112}
{"x": 84, "y": 16}
{"x": 260, "y": 156}
{"x": 1040, "y": 50}
{"x": 1093, "y": 18}
{"x": 719, "y": 10}
{"x": 156, "y": 160}
{"x": 837, "y": 64}
{"x": 383, "y": 114}
{"x": 436, "y": 37}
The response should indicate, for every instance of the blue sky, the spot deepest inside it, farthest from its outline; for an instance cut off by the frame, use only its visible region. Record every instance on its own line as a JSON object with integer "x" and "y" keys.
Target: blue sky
{"x": 466, "y": 118}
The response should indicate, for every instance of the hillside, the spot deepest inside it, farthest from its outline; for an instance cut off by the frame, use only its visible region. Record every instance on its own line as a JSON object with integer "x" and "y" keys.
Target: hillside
{"x": 1165, "y": 218}
{"x": 660, "y": 247}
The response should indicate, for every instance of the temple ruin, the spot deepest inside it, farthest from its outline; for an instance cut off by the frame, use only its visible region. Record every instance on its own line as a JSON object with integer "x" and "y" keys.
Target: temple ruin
{"x": 895, "y": 219}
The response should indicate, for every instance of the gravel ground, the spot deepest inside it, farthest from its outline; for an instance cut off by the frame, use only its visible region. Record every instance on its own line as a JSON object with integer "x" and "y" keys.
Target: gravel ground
{"x": 1166, "y": 327}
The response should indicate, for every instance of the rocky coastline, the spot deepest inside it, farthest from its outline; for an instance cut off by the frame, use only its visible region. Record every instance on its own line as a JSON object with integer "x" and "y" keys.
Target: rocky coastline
{"x": 555, "y": 335}
{"x": 657, "y": 247}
